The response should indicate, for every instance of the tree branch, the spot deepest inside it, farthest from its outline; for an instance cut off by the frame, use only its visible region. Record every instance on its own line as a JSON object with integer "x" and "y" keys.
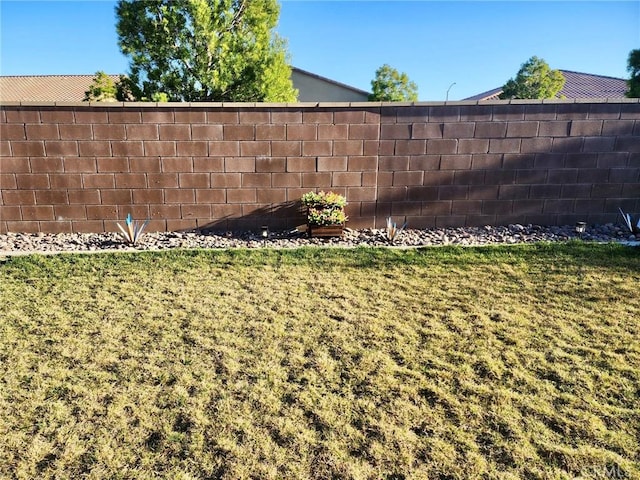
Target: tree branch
{"x": 237, "y": 17}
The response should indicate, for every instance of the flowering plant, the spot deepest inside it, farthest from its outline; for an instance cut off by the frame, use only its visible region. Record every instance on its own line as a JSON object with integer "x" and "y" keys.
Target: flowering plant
{"x": 324, "y": 208}
{"x": 323, "y": 200}
{"x": 326, "y": 216}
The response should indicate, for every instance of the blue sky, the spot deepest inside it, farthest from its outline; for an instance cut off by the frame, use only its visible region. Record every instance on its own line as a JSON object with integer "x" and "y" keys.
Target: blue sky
{"x": 476, "y": 44}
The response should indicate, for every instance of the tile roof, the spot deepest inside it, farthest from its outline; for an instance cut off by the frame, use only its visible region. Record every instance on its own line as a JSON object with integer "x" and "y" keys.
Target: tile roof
{"x": 584, "y": 85}
{"x": 45, "y": 88}
{"x": 71, "y": 88}
{"x": 492, "y": 94}
{"x": 577, "y": 85}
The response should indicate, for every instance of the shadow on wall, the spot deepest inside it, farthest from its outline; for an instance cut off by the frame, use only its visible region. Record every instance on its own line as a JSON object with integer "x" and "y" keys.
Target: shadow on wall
{"x": 281, "y": 216}
{"x": 291, "y": 215}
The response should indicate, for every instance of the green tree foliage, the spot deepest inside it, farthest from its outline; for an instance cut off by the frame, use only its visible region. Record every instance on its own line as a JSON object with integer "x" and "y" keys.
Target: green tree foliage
{"x": 633, "y": 67}
{"x": 389, "y": 85}
{"x": 534, "y": 80}
{"x": 102, "y": 89}
{"x": 128, "y": 91}
{"x": 205, "y": 50}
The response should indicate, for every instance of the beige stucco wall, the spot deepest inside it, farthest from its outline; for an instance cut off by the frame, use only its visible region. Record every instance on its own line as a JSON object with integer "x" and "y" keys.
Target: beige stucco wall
{"x": 313, "y": 89}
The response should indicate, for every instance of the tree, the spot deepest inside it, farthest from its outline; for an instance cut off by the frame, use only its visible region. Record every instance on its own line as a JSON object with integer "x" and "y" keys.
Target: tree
{"x": 633, "y": 67}
{"x": 102, "y": 89}
{"x": 534, "y": 80}
{"x": 389, "y": 85}
{"x": 205, "y": 50}
{"x": 128, "y": 91}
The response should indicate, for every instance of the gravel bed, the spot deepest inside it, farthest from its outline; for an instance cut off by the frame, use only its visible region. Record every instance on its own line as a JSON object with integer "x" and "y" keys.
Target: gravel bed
{"x": 20, "y": 243}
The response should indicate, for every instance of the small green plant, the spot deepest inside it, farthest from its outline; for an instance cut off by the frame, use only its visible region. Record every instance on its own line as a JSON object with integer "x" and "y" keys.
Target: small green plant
{"x": 325, "y": 208}
{"x": 323, "y": 200}
{"x": 392, "y": 231}
{"x": 133, "y": 232}
{"x": 326, "y": 216}
{"x": 632, "y": 225}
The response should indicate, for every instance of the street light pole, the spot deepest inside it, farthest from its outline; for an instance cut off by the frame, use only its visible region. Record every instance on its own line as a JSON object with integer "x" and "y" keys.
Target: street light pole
{"x": 447, "y": 99}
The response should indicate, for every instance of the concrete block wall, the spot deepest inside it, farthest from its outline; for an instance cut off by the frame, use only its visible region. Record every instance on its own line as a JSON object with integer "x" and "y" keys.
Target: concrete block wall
{"x": 83, "y": 167}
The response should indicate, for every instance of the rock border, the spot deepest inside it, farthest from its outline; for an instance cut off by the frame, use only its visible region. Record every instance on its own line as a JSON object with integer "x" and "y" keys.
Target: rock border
{"x": 24, "y": 244}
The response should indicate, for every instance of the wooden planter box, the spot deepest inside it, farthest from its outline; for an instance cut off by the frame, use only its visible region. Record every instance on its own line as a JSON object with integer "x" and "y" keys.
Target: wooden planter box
{"x": 325, "y": 230}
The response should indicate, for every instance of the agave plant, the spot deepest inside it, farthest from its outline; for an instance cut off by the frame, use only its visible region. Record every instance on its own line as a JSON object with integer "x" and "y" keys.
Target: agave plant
{"x": 392, "y": 231}
{"x": 629, "y": 221}
{"x": 133, "y": 231}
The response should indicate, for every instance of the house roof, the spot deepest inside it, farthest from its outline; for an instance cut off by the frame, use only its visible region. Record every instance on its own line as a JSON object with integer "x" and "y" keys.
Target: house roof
{"x": 577, "y": 85}
{"x": 334, "y": 82}
{"x": 45, "y": 88}
{"x": 71, "y": 88}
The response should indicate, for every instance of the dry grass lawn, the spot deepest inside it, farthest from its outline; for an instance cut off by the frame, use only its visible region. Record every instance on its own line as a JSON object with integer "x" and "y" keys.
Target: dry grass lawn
{"x": 442, "y": 363}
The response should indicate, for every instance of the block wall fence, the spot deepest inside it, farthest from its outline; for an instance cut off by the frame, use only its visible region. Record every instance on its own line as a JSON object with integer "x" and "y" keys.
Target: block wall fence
{"x": 82, "y": 167}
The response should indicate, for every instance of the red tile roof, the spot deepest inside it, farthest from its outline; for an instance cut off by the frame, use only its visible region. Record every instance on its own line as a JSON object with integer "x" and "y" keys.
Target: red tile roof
{"x": 577, "y": 85}
{"x": 45, "y": 88}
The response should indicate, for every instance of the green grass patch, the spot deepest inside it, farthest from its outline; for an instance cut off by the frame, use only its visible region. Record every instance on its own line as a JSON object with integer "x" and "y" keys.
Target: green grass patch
{"x": 435, "y": 363}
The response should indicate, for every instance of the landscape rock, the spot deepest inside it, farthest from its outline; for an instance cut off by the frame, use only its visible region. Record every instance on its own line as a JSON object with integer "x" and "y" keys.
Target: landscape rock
{"x": 18, "y": 243}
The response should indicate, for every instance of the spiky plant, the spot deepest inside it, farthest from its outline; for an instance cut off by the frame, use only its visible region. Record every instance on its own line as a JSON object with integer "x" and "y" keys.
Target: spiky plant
{"x": 629, "y": 222}
{"x": 134, "y": 230}
{"x": 392, "y": 230}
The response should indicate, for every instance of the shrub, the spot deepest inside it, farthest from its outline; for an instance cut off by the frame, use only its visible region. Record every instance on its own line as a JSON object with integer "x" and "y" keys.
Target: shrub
{"x": 325, "y": 208}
